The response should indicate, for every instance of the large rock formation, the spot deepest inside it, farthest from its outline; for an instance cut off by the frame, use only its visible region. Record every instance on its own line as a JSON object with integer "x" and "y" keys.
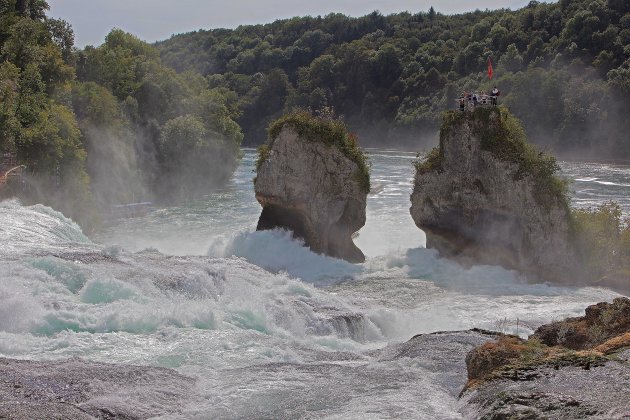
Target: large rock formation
{"x": 486, "y": 196}
{"x": 546, "y": 376}
{"x": 313, "y": 187}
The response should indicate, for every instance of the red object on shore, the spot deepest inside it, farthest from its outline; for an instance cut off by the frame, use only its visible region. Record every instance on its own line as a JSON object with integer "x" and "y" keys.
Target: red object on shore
{"x": 489, "y": 68}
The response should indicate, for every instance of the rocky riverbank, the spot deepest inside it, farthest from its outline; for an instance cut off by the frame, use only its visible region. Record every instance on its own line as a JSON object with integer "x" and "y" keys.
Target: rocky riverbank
{"x": 78, "y": 389}
{"x": 576, "y": 368}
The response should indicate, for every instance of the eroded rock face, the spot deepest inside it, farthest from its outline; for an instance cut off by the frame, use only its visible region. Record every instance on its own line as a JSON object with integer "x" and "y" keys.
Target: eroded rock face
{"x": 475, "y": 207}
{"x": 312, "y": 189}
{"x": 575, "y": 368}
{"x": 602, "y": 322}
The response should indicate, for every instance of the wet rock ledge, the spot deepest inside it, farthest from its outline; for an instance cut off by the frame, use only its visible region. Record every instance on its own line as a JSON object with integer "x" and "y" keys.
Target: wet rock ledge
{"x": 313, "y": 179}
{"x": 78, "y": 389}
{"x": 571, "y": 369}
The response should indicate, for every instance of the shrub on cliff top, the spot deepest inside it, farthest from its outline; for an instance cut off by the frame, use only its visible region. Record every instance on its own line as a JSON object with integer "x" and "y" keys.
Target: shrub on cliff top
{"x": 329, "y": 131}
{"x": 502, "y": 134}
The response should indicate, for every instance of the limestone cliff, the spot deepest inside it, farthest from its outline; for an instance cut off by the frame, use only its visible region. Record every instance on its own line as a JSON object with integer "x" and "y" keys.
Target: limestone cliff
{"x": 486, "y": 196}
{"x": 310, "y": 185}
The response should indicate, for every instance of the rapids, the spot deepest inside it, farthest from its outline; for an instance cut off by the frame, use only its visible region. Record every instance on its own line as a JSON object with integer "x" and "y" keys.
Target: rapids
{"x": 266, "y": 327}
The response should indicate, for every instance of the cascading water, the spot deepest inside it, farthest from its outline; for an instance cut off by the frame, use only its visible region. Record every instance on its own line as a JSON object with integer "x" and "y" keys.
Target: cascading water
{"x": 267, "y": 328}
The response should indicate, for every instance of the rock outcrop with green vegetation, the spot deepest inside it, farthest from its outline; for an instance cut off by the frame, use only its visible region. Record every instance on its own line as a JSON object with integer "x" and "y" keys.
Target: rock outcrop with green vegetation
{"x": 600, "y": 324}
{"x": 313, "y": 179}
{"x": 546, "y": 376}
{"x": 486, "y": 196}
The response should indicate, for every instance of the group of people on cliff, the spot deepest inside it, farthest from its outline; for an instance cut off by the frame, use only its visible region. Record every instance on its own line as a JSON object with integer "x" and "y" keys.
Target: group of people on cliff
{"x": 474, "y": 99}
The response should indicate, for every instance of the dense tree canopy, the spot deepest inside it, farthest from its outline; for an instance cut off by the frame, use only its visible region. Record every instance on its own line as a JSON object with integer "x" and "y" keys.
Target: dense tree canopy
{"x": 150, "y": 100}
{"x": 37, "y": 123}
{"x": 126, "y": 120}
{"x": 90, "y": 125}
{"x": 564, "y": 68}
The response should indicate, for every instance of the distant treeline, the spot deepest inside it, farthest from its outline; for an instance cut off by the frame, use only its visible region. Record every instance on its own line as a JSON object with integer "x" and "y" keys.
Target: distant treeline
{"x": 562, "y": 67}
{"x": 105, "y": 125}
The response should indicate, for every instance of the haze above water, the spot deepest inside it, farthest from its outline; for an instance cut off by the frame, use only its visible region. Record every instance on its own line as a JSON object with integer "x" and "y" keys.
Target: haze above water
{"x": 268, "y": 328}
{"x": 200, "y": 224}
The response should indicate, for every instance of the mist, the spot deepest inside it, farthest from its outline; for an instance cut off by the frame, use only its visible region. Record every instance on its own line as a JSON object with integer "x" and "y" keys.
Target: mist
{"x": 570, "y": 112}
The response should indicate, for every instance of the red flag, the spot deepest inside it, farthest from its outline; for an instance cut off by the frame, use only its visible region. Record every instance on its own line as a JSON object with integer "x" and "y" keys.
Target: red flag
{"x": 489, "y": 68}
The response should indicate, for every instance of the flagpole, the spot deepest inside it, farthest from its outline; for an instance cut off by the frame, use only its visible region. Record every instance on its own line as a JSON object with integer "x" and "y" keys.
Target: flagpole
{"x": 490, "y": 72}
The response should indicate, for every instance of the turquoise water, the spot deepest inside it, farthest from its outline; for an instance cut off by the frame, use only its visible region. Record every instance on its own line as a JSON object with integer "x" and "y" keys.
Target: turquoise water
{"x": 268, "y": 328}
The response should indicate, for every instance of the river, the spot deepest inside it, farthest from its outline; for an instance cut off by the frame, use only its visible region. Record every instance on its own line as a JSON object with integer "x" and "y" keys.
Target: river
{"x": 268, "y": 328}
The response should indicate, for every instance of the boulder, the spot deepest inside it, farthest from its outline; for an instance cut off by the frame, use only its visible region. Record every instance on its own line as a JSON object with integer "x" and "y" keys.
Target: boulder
{"x": 546, "y": 375}
{"x": 601, "y": 323}
{"x": 313, "y": 187}
{"x": 486, "y": 196}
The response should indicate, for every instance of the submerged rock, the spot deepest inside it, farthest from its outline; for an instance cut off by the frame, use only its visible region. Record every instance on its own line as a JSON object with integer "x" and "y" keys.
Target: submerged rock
{"x": 486, "y": 196}
{"x": 313, "y": 182}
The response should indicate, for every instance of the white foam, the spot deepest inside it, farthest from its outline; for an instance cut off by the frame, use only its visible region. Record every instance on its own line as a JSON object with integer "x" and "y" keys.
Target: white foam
{"x": 277, "y": 251}
{"x": 29, "y": 227}
{"x": 615, "y": 184}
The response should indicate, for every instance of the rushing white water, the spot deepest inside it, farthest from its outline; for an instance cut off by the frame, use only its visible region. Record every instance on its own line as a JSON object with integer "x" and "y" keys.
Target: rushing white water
{"x": 268, "y": 328}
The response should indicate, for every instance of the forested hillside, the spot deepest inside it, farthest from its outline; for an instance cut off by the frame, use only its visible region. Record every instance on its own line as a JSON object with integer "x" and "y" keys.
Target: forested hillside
{"x": 106, "y": 125}
{"x": 562, "y": 67}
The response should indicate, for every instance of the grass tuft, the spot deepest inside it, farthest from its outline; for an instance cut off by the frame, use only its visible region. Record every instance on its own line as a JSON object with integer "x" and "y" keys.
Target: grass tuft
{"x": 503, "y": 135}
{"x": 329, "y": 131}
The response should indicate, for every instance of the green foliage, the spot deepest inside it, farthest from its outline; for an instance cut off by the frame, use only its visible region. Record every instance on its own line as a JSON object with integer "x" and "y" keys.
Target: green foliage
{"x": 181, "y": 137}
{"x": 9, "y": 98}
{"x": 36, "y": 124}
{"x": 602, "y": 239}
{"x": 431, "y": 162}
{"x": 562, "y": 70}
{"x": 192, "y": 158}
{"x": 502, "y": 134}
{"x": 263, "y": 154}
{"x": 109, "y": 141}
{"x": 507, "y": 140}
{"x": 94, "y": 104}
{"x": 332, "y": 132}
{"x": 127, "y": 129}
{"x": 172, "y": 117}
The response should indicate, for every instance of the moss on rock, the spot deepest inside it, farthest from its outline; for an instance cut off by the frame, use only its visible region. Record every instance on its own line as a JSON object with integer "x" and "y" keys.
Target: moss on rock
{"x": 502, "y": 134}
{"x": 332, "y": 132}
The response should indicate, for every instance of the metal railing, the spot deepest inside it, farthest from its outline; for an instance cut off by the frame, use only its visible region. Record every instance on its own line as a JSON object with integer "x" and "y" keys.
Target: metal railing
{"x": 471, "y": 102}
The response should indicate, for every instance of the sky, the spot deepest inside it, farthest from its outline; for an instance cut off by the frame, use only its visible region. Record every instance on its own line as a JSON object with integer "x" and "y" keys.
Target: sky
{"x": 154, "y": 20}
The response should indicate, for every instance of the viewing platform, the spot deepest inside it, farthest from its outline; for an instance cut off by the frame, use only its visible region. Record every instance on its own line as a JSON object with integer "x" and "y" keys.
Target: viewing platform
{"x": 471, "y": 101}
{"x": 9, "y": 167}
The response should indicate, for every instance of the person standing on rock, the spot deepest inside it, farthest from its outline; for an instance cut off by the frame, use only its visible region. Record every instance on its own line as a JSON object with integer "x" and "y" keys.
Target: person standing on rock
{"x": 495, "y": 94}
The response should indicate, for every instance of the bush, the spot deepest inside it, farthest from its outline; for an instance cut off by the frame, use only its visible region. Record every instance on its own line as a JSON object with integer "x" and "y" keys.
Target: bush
{"x": 329, "y": 131}
{"x": 601, "y": 238}
{"x": 503, "y": 135}
{"x": 431, "y": 162}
